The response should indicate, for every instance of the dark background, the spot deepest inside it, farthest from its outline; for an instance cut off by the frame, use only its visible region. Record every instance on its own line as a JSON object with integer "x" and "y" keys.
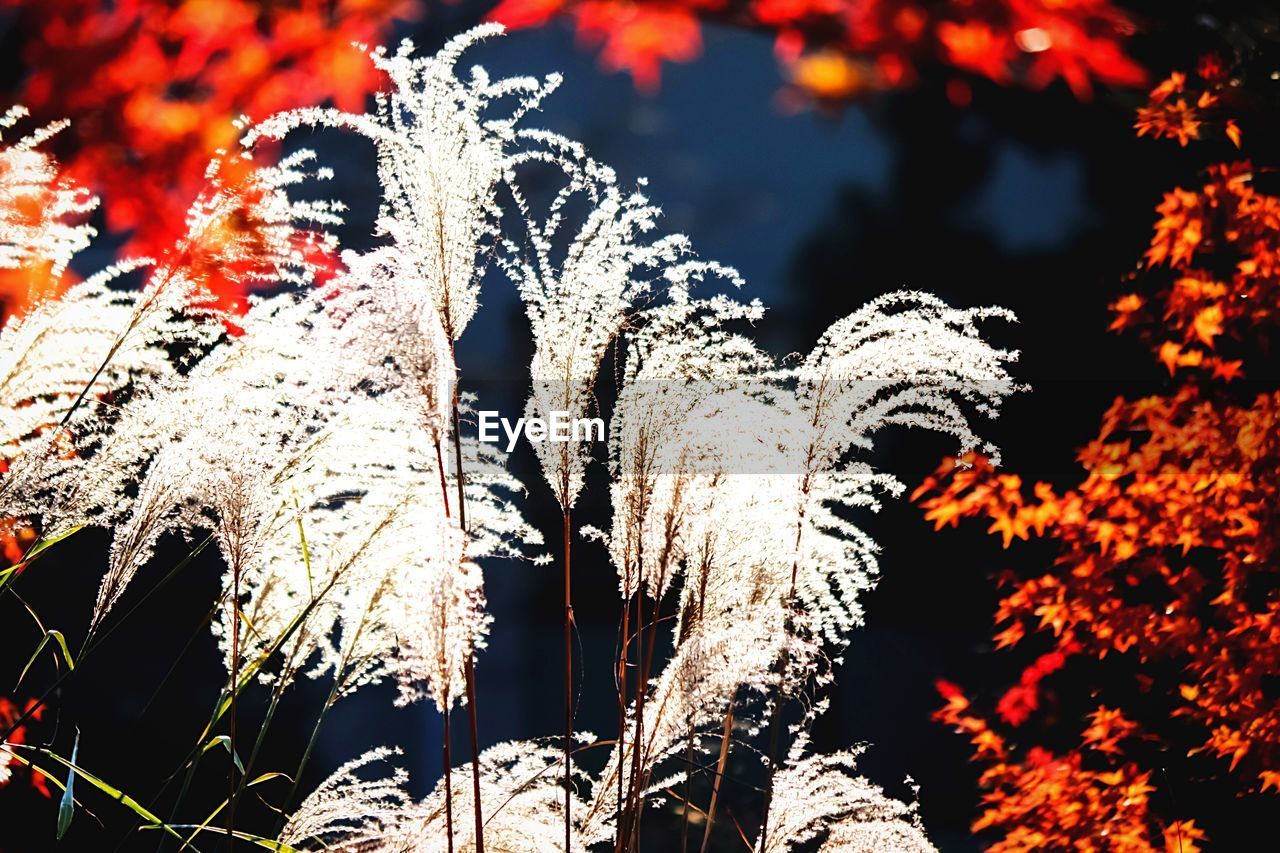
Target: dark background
{"x": 1030, "y": 200}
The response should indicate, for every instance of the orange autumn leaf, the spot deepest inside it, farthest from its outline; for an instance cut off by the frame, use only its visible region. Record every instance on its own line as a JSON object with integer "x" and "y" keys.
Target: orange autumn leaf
{"x": 1233, "y": 133}
{"x": 1182, "y": 836}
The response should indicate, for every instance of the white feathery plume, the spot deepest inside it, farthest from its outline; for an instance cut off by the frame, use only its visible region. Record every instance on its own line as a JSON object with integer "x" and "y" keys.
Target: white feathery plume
{"x": 441, "y": 156}
{"x": 348, "y": 812}
{"x": 40, "y": 214}
{"x": 222, "y": 436}
{"x": 311, "y": 446}
{"x": 441, "y": 149}
{"x": 744, "y": 488}
{"x": 682, "y": 358}
{"x": 362, "y": 539}
{"x": 521, "y": 798}
{"x": 820, "y": 797}
{"x": 229, "y": 436}
{"x": 387, "y": 327}
{"x": 578, "y": 304}
{"x": 59, "y": 361}
{"x": 906, "y": 358}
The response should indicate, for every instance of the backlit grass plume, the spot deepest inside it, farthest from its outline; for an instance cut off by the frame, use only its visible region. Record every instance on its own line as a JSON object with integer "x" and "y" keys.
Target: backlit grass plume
{"x": 317, "y": 440}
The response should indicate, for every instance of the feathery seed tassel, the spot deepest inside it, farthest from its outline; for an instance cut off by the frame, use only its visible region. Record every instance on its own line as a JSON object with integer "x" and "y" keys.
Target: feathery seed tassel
{"x": 577, "y": 305}
{"x": 440, "y": 159}
{"x": 734, "y": 479}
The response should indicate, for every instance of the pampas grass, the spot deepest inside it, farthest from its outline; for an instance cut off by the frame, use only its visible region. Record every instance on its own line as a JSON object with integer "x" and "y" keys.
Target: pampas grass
{"x": 320, "y": 446}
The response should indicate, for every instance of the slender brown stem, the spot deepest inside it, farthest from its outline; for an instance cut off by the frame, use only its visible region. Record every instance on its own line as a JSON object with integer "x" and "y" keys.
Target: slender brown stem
{"x": 448, "y": 764}
{"x": 720, "y": 765}
{"x": 633, "y": 789}
{"x": 646, "y": 656}
{"x": 775, "y": 737}
{"x": 622, "y": 715}
{"x": 457, "y": 463}
{"x": 444, "y": 487}
{"x": 688, "y": 792}
{"x": 623, "y": 827}
{"x": 469, "y": 672}
{"x": 448, "y": 781}
{"x": 775, "y": 721}
{"x": 568, "y": 682}
{"x": 235, "y": 689}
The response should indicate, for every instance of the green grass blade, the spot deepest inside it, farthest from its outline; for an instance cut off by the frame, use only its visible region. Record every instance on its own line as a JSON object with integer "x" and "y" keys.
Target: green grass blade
{"x": 257, "y": 840}
{"x": 66, "y": 805}
{"x": 224, "y": 741}
{"x": 112, "y": 792}
{"x": 306, "y": 553}
{"x": 48, "y": 542}
{"x": 34, "y": 551}
{"x": 56, "y": 635}
{"x": 39, "y": 648}
{"x": 204, "y": 826}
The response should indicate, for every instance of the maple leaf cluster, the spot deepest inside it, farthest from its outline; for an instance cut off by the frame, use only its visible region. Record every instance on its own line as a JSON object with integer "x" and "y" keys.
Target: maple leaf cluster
{"x": 1218, "y": 251}
{"x": 1167, "y": 558}
{"x": 837, "y": 49}
{"x": 1049, "y": 801}
{"x": 152, "y": 87}
{"x": 1182, "y": 106}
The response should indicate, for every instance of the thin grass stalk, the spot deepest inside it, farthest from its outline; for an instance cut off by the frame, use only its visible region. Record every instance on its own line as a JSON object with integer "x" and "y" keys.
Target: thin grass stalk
{"x": 277, "y": 693}
{"x": 201, "y": 627}
{"x": 190, "y": 763}
{"x": 631, "y": 815}
{"x": 444, "y": 486}
{"x": 568, "y": 681}
{"x": 622, "y": 713}
{"x": 468, "y": 669}
{"x": 688, "y": 793}
{"x": 775, "y": 715}
{"x": 624, "y": 803}
{"x": 775, "y": 738}
{"x": 720, "y": 766}
{"x": 278, "y": 690}
{"x": 235, "y": 681}
{"x": 643, "y": 674}
{"x": 448, "y": 781}
{"x": 468, "y": 672}
{"x": 457, "y": 464}
{"x": 306, "y": 753}
{"x": 90, "y": 644}
{"x": 334, "y": 691}
{"x": 446, "y": 737}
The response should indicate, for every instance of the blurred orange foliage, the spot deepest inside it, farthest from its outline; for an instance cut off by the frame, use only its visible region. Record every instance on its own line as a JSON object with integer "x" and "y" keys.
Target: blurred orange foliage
{"x": 152, "y": 86}
{"x": 10, "y": 714}
{"x": 838, "y": 49}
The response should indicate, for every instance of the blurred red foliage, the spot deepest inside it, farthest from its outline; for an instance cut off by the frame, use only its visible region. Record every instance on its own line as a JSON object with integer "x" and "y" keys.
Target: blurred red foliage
{"x": 1168, "y": 560}
{"x": 152, "y": 86}
{"x": 837, "y": 49}
{"x": 9, "y": 714}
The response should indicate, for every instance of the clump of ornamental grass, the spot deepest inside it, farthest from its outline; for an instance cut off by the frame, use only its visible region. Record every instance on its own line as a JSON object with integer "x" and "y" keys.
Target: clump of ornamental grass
{"x": 316, "y": 441}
